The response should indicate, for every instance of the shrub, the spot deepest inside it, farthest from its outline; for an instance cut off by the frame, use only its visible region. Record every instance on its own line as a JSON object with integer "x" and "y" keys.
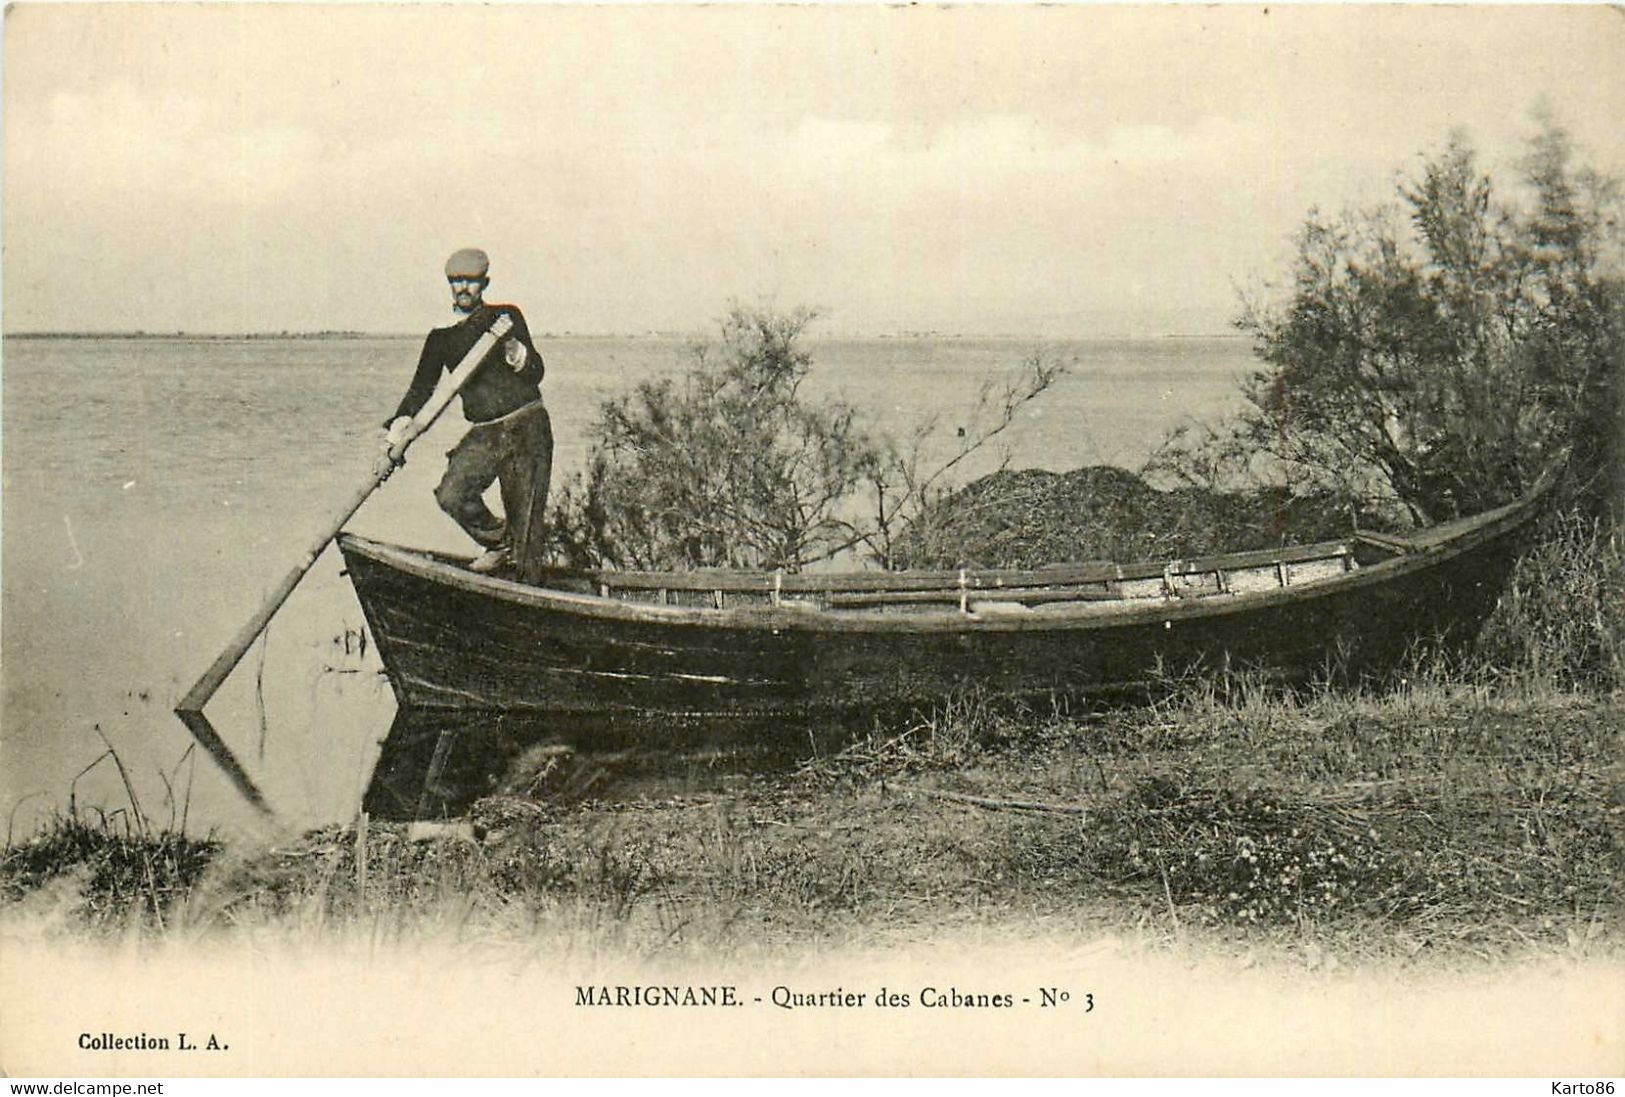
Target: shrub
{"x": 729, "y": 467}
{"x": 1437, "y": 351}
{"x": 734, "y": 466}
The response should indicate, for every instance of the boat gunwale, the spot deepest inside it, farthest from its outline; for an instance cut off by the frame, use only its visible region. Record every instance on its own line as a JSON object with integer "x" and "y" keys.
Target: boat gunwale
{"x": 1467, "y": 534}
{"x": 983, "y": 579}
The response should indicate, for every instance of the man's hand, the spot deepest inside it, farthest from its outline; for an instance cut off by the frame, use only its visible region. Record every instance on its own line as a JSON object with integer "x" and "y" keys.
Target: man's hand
{"x": 384, "y": 465}
{"x": 514, "y": 353}
{"x": 402, "y": 429}
{"x": 392, "y": 451}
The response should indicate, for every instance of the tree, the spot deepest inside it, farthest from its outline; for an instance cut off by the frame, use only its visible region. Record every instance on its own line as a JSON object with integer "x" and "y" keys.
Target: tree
{"x": 1439, "y": 350}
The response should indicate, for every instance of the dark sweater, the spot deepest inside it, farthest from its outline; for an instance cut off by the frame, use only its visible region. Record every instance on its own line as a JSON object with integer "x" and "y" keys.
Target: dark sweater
{"x": 495, "y": 389}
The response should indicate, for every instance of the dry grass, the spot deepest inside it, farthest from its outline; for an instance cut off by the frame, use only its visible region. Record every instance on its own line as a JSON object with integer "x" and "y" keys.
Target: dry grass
{"x": 1561, "y": 621}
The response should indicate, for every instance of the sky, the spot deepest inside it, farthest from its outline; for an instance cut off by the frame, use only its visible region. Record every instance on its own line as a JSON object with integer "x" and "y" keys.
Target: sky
{"x": 1059, "y": 171}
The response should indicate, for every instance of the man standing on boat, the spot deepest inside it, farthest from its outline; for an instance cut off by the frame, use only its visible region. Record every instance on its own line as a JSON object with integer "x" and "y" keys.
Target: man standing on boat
{"x": 510, "y": 439}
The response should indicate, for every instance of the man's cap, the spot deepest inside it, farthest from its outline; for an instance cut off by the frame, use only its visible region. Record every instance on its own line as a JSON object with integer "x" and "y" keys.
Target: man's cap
{"x": 468, "y": 263}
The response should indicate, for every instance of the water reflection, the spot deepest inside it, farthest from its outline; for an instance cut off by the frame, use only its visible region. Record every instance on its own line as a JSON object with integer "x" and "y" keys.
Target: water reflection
{"x": 209, "y": 739}
{"x": 436, "y": 763}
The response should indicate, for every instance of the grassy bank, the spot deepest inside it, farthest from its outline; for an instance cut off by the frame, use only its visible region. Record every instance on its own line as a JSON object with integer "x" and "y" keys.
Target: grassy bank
{"x": 1435, "y": 821}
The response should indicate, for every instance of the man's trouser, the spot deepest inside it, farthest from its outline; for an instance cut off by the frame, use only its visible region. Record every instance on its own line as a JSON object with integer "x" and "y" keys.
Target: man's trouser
{"x": 517, "y": 452}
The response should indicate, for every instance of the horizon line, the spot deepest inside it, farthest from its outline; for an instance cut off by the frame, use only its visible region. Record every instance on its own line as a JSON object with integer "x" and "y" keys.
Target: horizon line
{"x": 346, "y": 333}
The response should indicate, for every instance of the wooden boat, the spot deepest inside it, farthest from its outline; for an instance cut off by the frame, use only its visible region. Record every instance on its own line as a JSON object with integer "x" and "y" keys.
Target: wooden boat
{"x": 609, "y": 650}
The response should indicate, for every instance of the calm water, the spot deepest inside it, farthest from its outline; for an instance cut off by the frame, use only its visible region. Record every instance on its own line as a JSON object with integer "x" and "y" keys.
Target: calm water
{"x": 155, "y": 489}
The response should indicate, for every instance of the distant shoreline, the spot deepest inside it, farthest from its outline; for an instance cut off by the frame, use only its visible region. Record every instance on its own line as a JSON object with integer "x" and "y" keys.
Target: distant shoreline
{"x": 200, "y": 335}
{"x": 225, "y": 337}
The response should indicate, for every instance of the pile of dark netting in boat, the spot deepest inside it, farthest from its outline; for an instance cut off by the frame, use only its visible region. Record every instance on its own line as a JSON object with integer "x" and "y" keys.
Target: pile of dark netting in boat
{"x": 1031, "y": 517}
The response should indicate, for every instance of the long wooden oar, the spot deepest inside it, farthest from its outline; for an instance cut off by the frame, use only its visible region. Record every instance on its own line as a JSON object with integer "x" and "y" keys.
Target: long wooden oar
{"x": 190, "y": 709}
